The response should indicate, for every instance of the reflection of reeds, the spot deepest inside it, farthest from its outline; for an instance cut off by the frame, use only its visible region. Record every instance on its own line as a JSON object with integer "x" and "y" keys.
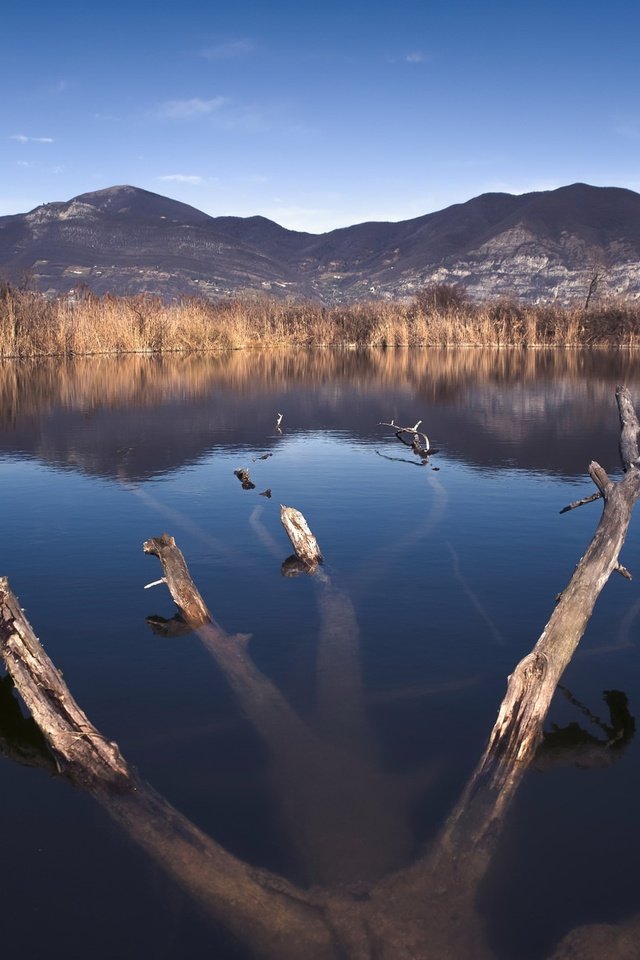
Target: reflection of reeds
{"x": 144, "y": 380}
{"x": 33, "y": 326}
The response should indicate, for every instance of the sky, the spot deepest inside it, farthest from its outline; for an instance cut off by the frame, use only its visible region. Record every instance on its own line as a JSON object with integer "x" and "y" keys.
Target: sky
{"x": 317, "y": 115}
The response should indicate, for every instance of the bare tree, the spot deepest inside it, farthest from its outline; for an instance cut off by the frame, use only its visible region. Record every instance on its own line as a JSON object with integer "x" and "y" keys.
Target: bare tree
{"x": 599, "y": 268}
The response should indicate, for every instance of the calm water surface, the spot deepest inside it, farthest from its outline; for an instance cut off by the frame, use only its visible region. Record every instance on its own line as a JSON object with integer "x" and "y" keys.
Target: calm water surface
{"x": 442, "y": 577}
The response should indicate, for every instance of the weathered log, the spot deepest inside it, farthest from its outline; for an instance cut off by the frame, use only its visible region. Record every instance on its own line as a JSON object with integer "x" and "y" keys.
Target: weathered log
{"x": 76, "y": 744}
{"x": 302, "y": 540}
{"x": 263, "y": 910}
{"x": 270, "y": 915}
{"x": 518, "y": 729}
{"x": 326, "y": 781}
{"x": 181, "y": 586}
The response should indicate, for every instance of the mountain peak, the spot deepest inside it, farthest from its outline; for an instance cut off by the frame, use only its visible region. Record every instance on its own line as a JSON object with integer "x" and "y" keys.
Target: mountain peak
{"x": 123, "y": 199}
{"x": 126, "y": 240}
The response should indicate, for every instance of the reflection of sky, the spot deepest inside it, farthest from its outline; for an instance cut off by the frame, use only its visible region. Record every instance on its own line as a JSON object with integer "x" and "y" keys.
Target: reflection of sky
{"x": 453, "y": 573}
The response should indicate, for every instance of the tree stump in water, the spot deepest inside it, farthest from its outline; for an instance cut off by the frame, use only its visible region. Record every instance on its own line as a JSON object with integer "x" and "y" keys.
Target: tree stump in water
{"x": 302, "y": 540}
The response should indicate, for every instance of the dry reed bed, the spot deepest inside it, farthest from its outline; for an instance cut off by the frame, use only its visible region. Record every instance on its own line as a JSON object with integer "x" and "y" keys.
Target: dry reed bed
{"x": 32, "y": 326}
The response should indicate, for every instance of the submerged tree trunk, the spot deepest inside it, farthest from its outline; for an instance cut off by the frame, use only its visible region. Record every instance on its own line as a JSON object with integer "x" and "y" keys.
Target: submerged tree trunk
{"x": 518, "y": 728}
{"x": 302, "y": 540}
{"x": 424, "y": 911}
{"x": 272, "y": 916}
{"x": 346, "y": 818}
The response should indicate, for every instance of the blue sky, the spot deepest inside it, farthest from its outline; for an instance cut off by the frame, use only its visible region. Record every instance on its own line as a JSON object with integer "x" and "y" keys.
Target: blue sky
{"x": 317, "y": 115}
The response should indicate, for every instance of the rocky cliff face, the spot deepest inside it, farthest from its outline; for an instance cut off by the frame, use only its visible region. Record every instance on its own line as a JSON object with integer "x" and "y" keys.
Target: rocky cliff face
{"x": 538, "y": 247}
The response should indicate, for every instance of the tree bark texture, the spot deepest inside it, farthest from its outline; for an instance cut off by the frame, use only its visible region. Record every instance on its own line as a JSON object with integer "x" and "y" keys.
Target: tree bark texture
{"x": 302, "y": 540}
{"x": 518, "y": 728}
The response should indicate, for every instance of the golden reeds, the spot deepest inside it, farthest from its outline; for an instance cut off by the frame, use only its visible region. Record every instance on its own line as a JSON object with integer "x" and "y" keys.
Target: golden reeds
{"x": 32, "y": 326}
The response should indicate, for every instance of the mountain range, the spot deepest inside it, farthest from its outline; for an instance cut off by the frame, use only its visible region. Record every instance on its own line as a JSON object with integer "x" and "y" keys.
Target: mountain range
{"x": 538, "y": 247}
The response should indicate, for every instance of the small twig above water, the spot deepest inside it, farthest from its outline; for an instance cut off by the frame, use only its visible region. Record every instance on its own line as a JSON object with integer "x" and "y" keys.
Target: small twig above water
{"x": 421, "y": 449}
{"x": 581, "y": 503}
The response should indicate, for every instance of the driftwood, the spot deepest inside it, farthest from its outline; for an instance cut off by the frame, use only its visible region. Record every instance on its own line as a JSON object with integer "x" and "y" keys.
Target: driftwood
{"x": 302, "y": 540}
{"x": 531, "y": 686}
{"x": 260, "y": 908}
{"x": 178, "y": 579}
{"x": 519, "y": 728}
{"x": 419, "y": 442}
{"x": 422, "y": 911}
{"x": 325, "y": 774}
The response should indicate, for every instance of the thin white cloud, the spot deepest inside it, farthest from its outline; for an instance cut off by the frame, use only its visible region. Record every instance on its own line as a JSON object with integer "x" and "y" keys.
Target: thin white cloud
{"x": 415, "y": 56}
{"x": 246, "y": 119}
{"x": 21, "y": 138}
{"x": 190, "y": 178}
{"x": 25, "y": 163}
{"x": 230, "y": 50}
{"x": 59, "y": 87}
{"x": 627, "y": 127}
{"x": 195, "y": 107}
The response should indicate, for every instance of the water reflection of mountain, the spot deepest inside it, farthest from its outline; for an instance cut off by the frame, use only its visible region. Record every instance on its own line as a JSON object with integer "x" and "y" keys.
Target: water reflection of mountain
{"x": 140, "y": 416}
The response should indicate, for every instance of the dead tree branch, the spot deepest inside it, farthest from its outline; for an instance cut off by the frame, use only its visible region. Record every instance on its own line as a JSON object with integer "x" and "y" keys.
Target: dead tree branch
{"x": 178, "y": 579}
{"x": 76, "y": 744}
{"x": 420, "y": 449}
{"x": 581, "y": 503}
{"x": 518, "y": 729}
{"x": 326, "y": 780}
{"x": 263, "y": 910}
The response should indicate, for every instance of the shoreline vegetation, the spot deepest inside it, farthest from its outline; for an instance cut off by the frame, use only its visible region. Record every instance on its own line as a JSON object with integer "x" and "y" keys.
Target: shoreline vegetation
{"x": 34, "y": 326}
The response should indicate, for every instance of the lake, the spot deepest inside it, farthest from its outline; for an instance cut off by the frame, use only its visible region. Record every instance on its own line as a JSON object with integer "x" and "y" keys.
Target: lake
{"x": 438, "y": 578}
